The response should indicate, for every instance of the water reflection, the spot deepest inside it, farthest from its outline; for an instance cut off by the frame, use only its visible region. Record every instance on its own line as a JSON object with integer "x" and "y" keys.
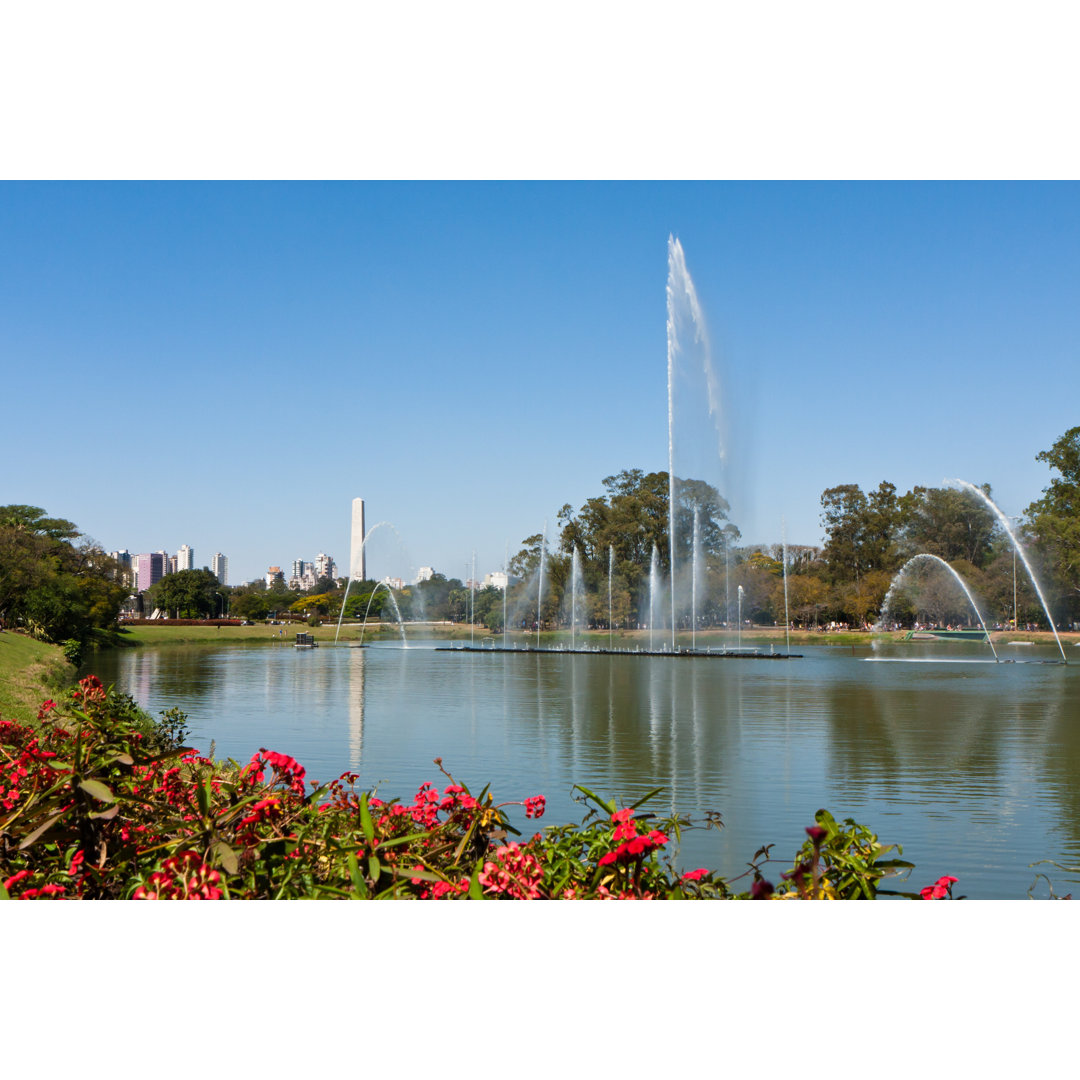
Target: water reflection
{"x": 970, "y": 766}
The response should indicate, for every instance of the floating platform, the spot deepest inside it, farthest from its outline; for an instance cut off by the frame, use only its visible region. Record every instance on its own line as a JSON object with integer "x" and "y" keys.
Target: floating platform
{"x": 945, "y": 635}
{"x": 714, "y": 654}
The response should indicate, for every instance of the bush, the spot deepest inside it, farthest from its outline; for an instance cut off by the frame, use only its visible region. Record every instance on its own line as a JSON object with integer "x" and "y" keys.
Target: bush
{"x": 102, "y": 802}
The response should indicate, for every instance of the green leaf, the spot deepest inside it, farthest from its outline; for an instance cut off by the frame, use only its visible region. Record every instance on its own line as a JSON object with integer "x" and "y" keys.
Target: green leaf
{"x": 107, "y": 814}
{"x": 97, "y": 790}
{"x": 49, "y": 822}
{"x": 365, "y": 819}
{"x": 374, "y": 868}
{"x": 59, "y": 766}
{"x": 476, "y": 892}
{"x": 645, "y": 798}
{"x": 124, "y": 759}
{"x": 359, "y": 884}
{"x": 202, "y": 796}
{"x": 226, "y": 856}
{"x": 602, "y": 803}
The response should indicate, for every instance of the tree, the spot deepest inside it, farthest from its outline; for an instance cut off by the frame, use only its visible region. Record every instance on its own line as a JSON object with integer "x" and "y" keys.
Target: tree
{"x": 1055, "y": 518}
{"x": 948, "y": 523}
{"x": 57, "y": 589}
{"x": 190, "y": 594}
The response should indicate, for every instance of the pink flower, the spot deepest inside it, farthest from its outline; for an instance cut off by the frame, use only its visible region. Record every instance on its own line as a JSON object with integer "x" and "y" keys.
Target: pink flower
{"x": 695, "y": 875}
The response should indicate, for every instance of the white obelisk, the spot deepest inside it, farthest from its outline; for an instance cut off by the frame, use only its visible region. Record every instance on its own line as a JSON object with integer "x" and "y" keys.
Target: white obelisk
{"x": 357, "y": 560}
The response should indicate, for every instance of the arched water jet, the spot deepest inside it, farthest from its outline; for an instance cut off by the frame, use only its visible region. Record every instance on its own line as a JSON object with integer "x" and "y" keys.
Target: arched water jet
{"x": 1018, "y": 548}
{"x": 397, "y": 612}
{"x": 348, "y": 585}
{"x": 960, "y": 581}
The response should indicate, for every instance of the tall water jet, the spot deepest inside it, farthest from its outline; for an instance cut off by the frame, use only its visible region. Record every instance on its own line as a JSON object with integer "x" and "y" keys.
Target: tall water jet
{"x": 472, "y": 601}
{"x": 1018, "y": 548}
{"x": 577, "y": 594}
{"x": 695, "y": 565}
{"x": 506, "y": 587}
{"x": 540, "y": 589}
{"x": 610, "y": 567}
{"x": 690, "y": 365}
{"x": 959, "y": 580}
{"x": 654, "y": 594}
{"x": 787, "y": 618}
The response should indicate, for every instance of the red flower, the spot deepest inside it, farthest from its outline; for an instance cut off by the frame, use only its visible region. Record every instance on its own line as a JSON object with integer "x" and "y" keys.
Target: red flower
{"x": 534, "y": 807}
{"x": 695, "y": 875}
{"x": 817, "y": 834}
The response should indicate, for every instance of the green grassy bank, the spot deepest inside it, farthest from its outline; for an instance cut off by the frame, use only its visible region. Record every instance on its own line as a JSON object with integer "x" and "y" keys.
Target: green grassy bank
{"x": 30, "y": 671}
{"x": 620, "y": 639}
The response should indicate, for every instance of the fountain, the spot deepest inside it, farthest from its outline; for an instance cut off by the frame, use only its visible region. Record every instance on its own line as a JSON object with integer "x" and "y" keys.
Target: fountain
{"x": 654, "y": 595}
{"x": 610, "y": 566}
{"x": 397, "y": 612}
{"x": 686, "y": 327}
{"x": 577, "y": 594}
{"x": 1018, "y": 548}
{"x": 959, "y": 580}
{"x": 357, "y": 560}
{"x": 540, "y": 589}
{"x": 787, "y": 618}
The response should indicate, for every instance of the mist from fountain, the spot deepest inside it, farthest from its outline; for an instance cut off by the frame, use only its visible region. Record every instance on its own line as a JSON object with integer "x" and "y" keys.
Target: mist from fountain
{"x": 1018, "y": 548}
{"x": 959, "y": 580}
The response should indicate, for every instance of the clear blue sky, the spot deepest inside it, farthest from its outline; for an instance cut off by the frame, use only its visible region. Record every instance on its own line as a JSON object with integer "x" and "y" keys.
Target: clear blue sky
{"x": 227, "y": 365}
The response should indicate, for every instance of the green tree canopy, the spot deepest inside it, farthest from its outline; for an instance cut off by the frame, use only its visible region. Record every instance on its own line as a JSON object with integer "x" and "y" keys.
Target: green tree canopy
{"x": 56, "y": 588}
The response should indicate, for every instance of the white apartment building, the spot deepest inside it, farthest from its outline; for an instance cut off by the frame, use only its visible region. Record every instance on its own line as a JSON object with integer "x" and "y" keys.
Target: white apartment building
{"x": 185, "y": 558}
{"x": 500, "y": 579}
{"x": 425, "y": 573}
{"x": 219, "y": 566}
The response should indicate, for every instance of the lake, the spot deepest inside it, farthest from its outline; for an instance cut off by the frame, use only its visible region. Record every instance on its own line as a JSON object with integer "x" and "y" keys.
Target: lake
{"x": 970, "y": 765}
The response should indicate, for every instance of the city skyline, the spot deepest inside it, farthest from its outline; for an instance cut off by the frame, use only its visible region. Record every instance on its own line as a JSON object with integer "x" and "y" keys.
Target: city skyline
{"x": 492, "y": 351}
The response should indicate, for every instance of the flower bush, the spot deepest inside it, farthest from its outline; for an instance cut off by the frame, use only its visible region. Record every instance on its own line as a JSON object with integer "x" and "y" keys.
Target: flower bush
{"x": 99, "y": 802}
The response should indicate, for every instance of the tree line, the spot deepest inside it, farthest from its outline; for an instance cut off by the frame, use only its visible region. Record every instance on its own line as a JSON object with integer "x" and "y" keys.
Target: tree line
{"x": 61, "y": 586}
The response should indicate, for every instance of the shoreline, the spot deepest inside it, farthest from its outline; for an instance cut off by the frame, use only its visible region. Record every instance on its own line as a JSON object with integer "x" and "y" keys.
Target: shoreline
{"x": 263, "y": 634}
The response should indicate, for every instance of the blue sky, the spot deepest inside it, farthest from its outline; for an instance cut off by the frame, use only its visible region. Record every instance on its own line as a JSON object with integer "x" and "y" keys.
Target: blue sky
{"x": 228, "y": 364}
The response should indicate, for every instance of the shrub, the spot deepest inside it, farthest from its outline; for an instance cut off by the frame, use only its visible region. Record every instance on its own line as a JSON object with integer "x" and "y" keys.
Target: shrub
{"x": 102, "y": 802}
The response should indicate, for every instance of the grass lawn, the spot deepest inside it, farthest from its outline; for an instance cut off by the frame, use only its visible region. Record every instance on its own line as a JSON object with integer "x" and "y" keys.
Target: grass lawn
{"x": 30, "y": 671}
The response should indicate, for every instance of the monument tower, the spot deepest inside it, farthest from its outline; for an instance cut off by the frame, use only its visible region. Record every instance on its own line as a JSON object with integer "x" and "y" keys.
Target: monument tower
{"x": 357, "y": 558}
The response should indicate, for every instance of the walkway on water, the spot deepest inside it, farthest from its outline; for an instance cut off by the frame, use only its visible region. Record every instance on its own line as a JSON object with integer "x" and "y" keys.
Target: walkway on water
{"x": 715, "y": 654}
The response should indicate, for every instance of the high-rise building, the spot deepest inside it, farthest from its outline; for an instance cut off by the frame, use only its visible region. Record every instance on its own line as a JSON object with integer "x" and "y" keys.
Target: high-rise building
{"x": 125, "y": 566}
{"x": 149, "y": 569}
{"x": 325, "y": 567}
{"x": 185, "y": 558}
{"x": 219, "y": 566}
{"x": 357, "y": 558}
{"x": 425, "y": 573}
{"x": 274, "y": 574}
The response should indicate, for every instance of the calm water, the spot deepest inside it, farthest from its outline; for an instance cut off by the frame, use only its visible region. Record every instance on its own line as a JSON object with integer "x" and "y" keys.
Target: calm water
{"x": 970, "y": 765}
